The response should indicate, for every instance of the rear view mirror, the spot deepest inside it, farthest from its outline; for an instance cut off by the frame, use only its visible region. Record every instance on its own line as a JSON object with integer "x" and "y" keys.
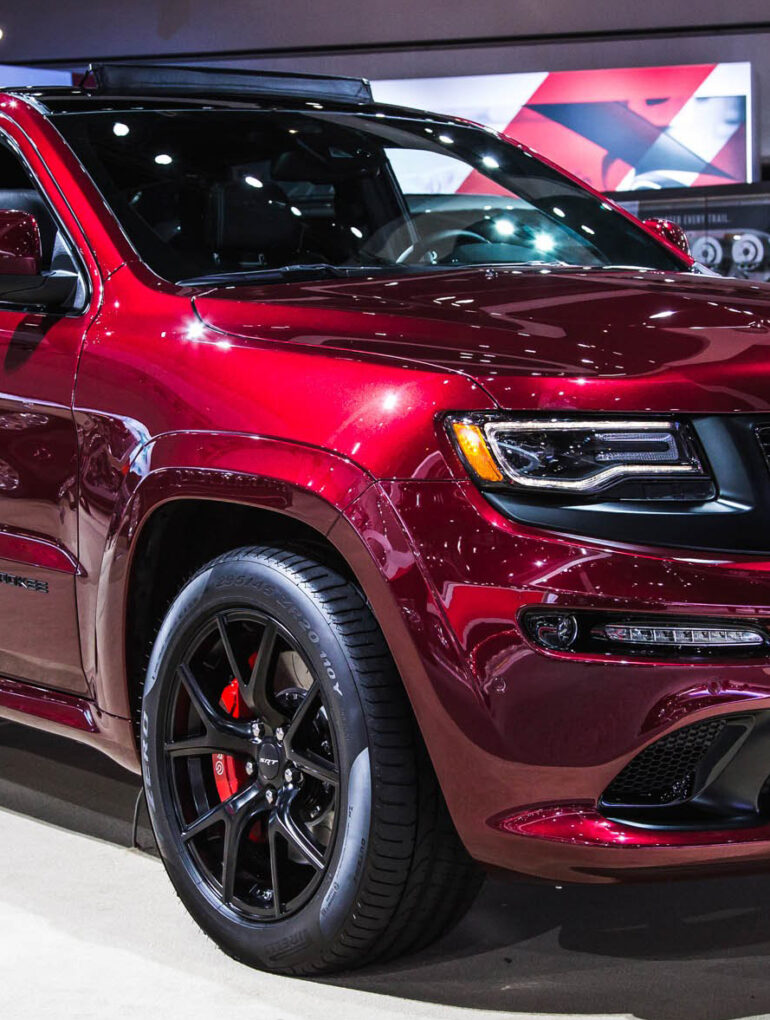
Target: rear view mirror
{"x": 21, "y": 252}
{"x": 670, "y": 232}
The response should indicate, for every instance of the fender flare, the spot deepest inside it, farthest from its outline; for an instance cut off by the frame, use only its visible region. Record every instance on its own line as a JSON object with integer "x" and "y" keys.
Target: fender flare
{"x": 309, "y": 484}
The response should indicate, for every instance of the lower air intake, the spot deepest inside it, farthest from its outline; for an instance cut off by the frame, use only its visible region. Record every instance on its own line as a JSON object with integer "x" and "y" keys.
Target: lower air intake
{"x": 664, "y": 772}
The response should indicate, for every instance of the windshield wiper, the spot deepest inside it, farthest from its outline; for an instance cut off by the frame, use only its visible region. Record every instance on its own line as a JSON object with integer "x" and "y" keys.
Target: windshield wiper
{"x": 311, "y": 269}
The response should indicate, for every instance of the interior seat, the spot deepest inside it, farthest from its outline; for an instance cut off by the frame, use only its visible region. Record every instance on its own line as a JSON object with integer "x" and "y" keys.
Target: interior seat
{"x": 252, "y": 225}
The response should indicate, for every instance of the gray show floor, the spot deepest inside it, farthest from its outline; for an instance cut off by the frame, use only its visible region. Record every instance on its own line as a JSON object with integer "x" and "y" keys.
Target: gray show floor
{"x": 91, "y": 928}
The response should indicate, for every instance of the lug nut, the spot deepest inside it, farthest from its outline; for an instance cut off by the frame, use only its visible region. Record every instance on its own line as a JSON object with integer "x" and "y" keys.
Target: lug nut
{"x": 269, "y": 796}
{"x": 249, "y": 768}
{"x": 279, "y": 734}
{"x": 288, "y": 775}
{"x": 257, "y": 730}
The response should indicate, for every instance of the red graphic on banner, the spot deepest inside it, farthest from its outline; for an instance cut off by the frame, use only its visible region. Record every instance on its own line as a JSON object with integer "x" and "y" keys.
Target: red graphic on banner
{"x": 635, "y": 128}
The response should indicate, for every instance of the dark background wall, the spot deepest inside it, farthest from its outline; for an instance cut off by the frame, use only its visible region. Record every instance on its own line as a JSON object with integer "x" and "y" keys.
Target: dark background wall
{"x": 52, "y": 29}
{"x": 398, "y": 38}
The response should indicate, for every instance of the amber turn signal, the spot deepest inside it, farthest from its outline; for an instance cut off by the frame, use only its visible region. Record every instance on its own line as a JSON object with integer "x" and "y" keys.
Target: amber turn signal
{"x": 471, "y": 441}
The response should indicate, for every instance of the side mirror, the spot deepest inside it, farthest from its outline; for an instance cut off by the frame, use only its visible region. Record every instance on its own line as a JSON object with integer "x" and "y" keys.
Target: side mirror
{"x": 22, "y": 280}
{"x": 670, "y": 232}
{"x": 21, "y": 252}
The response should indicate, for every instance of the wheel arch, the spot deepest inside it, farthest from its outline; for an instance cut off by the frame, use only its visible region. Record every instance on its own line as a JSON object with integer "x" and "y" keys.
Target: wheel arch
{"x": 177, "y": 538}
{"x": 174, "y": 518}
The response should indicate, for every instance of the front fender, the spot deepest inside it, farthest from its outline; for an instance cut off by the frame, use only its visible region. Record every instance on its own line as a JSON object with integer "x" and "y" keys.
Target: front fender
{"x": 303, "y": 482}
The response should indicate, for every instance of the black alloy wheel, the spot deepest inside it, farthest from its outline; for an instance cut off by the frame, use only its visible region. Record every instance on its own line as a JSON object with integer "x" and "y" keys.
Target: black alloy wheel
{"x": 255, "y": 787}
{"x": 293, "y": 802}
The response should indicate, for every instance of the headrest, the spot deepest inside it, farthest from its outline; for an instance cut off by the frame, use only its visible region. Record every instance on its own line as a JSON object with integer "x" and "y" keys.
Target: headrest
{"x": 245, "y": 218}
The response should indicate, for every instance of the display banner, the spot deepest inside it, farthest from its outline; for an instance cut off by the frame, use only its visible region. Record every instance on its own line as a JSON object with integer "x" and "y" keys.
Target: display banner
{"x": 618, "y": 129}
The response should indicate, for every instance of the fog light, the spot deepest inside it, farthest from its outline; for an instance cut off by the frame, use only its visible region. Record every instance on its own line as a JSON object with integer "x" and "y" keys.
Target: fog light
{"x": 704, "y": 637}
{"x": 557, "y": 631}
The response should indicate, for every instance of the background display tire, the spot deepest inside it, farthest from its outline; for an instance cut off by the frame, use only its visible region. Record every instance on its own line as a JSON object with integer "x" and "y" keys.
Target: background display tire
{"x": 371, "y": 859}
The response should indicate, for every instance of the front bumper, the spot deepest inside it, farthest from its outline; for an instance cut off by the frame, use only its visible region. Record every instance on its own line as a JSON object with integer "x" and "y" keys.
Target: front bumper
{"x": 514, "y": 730}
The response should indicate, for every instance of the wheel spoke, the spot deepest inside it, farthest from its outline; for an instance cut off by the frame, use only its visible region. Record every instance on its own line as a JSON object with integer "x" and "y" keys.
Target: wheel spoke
{"x": 227, "y": 645}
{"x": 200, "y": 702}
{"x": 271, "y": 838}
{"x": 230, "y": 860}
{"x": 239, "y": 811}
{"x": 315, "y": 766}
{"x": 298, "y": 838}
{"x": 255, "y": 691}
{"x": 222, "y": 732}
{"x": 192, "y": 746}
{"x": 300, "y": 715}
{"x": 203, "y": 822}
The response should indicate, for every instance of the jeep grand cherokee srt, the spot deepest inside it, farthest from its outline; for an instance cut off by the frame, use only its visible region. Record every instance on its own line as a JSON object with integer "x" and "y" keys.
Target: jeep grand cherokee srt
{"x": 397, "y": 505}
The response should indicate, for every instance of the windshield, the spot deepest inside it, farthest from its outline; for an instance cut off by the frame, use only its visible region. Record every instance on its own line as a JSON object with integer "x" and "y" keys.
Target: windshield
{"x": 208, "y": 193}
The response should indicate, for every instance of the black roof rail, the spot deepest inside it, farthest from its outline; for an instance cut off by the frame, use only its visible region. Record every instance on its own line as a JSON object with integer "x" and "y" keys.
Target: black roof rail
{"x": 172, "y": 79}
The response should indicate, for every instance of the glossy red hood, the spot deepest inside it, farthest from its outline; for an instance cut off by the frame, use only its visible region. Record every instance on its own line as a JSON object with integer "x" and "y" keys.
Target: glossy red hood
{"x": 537, "y": 338}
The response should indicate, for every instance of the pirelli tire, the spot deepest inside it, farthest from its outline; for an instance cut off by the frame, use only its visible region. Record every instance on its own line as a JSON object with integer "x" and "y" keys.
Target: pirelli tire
{"x": 394, "y": 874}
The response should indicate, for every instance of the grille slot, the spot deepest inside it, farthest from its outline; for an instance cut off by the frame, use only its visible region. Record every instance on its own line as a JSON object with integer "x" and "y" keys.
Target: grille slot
{"x": 664, "y": 772}
{"x": 763, "y": 435}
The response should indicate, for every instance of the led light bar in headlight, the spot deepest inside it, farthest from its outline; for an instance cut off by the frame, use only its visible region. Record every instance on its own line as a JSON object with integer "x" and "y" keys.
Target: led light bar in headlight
{"x": 708, "y": 637}
{"x": 579, "y": 456}
{"x": 595, "y": 632}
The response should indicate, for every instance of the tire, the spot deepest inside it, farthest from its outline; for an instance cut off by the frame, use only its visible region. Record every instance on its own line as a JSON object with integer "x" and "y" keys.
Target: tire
{"x": 268, "y": 661}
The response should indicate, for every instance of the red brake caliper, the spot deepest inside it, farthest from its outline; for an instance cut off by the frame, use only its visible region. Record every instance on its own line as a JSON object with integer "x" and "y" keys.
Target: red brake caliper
{"x": 230, "y": 773}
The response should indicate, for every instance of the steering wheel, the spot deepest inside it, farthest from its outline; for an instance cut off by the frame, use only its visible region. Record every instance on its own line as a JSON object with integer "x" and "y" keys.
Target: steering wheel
{"x": 419, "y": 248}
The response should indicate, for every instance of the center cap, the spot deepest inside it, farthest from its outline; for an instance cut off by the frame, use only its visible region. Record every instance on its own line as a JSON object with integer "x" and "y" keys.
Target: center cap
{"x": 269, "y": 760}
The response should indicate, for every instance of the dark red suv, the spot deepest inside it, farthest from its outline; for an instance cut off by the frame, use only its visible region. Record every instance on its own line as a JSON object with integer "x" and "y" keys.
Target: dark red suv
{"x": 400, "y": 506}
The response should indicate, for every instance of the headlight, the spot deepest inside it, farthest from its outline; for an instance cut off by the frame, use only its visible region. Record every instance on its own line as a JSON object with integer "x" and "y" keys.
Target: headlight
{"x": 580, "y": 457}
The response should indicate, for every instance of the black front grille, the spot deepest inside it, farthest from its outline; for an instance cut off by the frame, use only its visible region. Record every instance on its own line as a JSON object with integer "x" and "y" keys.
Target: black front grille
{"x": 664, "y": 772}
